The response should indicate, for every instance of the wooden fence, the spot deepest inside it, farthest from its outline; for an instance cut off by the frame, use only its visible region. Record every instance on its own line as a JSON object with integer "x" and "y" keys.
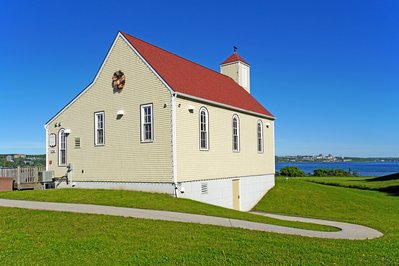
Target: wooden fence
{"x": 24, "y": 177}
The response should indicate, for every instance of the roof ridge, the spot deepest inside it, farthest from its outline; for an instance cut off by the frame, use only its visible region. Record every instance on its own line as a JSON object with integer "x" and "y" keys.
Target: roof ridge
{"x": 188, "y": 77}
{"x": 235, "y": 57}
{"x": 124, "y": 33}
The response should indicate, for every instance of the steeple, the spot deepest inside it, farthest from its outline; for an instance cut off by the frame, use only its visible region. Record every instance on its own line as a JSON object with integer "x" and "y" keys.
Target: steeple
{"x": 237, "y": 68}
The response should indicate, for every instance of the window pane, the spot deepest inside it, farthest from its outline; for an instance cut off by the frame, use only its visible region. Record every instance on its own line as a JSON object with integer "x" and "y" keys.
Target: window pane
{"x": 203, "y": 140}
{"x": 100, "y": 121}
{"x": 99, "y": 129}
{"x": 62, "y": 148}
{"x": 235, "y": 133}
{"x": 260, "y": 137}
{"x": 63, "y": 159}
{"x": 146, "y": 123}
{"x": 100, "y": 136}
{"x": 235, "y": 143}
{"x": 147, "y": 132}
{"x": 203, "y": 127}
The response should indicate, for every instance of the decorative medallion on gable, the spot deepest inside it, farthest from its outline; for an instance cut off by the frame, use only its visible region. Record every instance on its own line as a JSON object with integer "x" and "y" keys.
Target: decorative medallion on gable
{"x": 118, "y": 80}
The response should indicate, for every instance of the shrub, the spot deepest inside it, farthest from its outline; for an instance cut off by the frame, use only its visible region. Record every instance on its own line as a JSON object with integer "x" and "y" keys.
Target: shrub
{"x": 291, "y": 171}
{"x": 332, "y": 172}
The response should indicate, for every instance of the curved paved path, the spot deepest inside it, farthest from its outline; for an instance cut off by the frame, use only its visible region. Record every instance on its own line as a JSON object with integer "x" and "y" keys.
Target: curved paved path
{"x": 349, "y": 231}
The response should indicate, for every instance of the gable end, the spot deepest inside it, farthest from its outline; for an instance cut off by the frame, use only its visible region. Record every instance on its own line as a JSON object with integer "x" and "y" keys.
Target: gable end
{"x": 119, "y": 35}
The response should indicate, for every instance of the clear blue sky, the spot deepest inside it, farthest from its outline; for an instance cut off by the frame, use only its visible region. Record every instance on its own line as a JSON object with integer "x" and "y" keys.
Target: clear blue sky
{"x": 328, "y": 70}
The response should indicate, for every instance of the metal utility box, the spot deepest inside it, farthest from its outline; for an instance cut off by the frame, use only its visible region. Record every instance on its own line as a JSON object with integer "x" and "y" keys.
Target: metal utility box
{"x": 46, "y": 176}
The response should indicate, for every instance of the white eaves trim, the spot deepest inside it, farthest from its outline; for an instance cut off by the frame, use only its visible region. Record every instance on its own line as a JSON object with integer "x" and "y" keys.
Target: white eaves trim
{"x": 99, "y": 71}
{"x": 89, "y": 86}
{"x": 147, "y": 64}
{"x": 188, "y": 95}
{"x": 224, "y": 105}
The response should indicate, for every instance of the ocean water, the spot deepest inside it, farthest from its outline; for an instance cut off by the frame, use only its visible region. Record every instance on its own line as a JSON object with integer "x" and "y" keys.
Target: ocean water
{"x": 362, "y": 168}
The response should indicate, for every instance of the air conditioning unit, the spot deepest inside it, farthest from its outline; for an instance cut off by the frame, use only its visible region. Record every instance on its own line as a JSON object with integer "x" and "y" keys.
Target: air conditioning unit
{"x": 46, "y": 176}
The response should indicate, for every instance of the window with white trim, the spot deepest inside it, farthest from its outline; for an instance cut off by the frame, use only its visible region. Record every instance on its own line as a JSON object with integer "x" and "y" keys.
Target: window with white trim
{"x": 62, "y": 147}
{"x": 99, "y": 124}
{"x": 204, "y": 129}
{"x": 147, "y": 123}
{"x": 236, "y": 133}
{"x": 52, "y": 140}
{"x": 260, "y": 136}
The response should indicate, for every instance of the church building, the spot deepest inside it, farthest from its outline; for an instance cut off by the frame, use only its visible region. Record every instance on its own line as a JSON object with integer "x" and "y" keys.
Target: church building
{"x": 154, "y": 121}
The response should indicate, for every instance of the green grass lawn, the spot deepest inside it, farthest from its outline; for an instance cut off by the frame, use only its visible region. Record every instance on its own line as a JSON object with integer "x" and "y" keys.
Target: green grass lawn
{"x": 145, "y": 200}
{"x": 390, "y": 186}
{"x": 42, "y": 237}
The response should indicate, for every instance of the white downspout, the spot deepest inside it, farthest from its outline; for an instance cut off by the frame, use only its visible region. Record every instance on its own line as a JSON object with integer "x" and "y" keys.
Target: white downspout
{"x": 174, "y": 157}
{"x": 70, "y": 174}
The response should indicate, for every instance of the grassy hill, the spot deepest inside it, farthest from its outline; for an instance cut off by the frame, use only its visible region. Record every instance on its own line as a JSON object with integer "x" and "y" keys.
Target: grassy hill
{"x": 145, "y": 200}
{"x": 42, "y": 237}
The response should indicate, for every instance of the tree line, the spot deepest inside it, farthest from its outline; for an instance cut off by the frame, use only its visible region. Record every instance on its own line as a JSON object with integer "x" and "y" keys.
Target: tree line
{"x": 294, "y": 171}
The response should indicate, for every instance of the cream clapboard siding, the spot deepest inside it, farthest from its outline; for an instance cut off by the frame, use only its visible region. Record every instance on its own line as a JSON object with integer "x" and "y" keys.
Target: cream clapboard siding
{"x": 236, "y": 71}
{"x": 220, "y": 161}
{"x": 123, "y": 157}
{"x": 230, "y": 70}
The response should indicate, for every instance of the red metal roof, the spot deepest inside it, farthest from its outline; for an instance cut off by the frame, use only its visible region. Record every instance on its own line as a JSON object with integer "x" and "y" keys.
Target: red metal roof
{"x": 187, "y": 77}
{"x": 234, "y": 58}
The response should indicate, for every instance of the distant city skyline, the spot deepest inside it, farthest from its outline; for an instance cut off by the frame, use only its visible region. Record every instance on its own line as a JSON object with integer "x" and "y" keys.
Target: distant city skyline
{"x": 328, "y": 71}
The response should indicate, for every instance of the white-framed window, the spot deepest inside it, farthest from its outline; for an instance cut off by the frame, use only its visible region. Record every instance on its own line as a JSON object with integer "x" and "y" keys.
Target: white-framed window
{"x": 147, "y": 123}
{"x": 99, "y": 125}
{"x": 62, "y": 147}
{"x": 52, "y": 140}
{"x": 236, "y": 133}
{"x": 259, "y": 132}
{"x": 204, "y": 128}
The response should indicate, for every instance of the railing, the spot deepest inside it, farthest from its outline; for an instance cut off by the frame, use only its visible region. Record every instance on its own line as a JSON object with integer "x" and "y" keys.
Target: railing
{"x": 24, "y": 177}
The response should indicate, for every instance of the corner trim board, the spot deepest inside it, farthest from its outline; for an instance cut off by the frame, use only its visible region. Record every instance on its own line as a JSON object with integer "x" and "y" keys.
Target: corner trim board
{"x": 174, "y": 141}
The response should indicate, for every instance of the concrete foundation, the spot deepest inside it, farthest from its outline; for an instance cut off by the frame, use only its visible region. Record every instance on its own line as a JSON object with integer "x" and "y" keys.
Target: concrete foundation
{"x": 216, "y": 191}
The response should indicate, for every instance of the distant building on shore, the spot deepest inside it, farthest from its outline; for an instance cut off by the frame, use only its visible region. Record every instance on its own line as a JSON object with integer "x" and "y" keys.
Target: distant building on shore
{"x": 9, "y": 158}
{"x": 19, "y": 156}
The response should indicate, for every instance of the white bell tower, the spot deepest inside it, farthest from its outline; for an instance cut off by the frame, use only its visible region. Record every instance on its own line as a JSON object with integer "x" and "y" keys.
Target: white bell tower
{"x": 238, "y": 69}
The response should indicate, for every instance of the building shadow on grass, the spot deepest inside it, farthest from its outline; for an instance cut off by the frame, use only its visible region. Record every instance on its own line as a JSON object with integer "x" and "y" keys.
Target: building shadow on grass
{"x": 384, "y": 178}
{"x": 391, "y": 190}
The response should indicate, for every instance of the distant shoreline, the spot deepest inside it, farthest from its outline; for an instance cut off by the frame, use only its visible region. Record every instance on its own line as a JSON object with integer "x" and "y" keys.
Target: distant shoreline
{"x": 331, "y": 159}
{"x": 362, "y": 168}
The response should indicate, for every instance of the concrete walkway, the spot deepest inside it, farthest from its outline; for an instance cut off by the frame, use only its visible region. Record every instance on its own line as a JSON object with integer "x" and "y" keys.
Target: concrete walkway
{"x": 349, "y": 231}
